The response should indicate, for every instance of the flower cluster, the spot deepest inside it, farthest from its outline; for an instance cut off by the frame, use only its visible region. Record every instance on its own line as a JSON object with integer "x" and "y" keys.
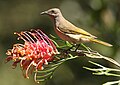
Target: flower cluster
{"x": 38, "y": 50}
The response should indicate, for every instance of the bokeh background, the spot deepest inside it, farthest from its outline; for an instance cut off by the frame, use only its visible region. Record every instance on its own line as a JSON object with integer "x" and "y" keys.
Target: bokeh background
{"x": 99, "y": 17}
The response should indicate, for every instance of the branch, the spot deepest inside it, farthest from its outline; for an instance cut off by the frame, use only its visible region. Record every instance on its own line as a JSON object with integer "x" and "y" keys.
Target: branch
{"x": 93, "y": 54}
{"x": 102, "y": 70}
{"x": 112, "y": 83}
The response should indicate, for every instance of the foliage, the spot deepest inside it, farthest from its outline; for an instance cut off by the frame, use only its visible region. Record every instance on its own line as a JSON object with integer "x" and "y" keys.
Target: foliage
{"x": 99, "y": 17}
{"x": 102, "y": 70}
{"x": 71, "y": 53}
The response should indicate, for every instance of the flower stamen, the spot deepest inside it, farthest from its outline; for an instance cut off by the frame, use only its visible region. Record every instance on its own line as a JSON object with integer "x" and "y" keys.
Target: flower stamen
{"x": 38, "y": 50}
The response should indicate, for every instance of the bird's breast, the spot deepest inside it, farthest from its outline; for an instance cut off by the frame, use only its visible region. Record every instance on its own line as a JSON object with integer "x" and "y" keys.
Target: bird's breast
{"x": 61, "y": 34}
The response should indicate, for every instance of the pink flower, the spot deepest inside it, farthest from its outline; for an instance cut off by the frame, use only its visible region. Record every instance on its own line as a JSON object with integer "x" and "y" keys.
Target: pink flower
{"x": 38, "y": 50}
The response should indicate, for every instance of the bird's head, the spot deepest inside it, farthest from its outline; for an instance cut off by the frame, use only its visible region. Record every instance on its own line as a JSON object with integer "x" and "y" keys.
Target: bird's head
{"x": 54, "y": 12}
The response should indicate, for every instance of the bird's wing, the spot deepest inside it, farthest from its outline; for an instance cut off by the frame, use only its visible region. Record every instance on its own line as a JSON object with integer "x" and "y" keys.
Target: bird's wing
{"x": 83, "y": 32}
{"x": 70, "y": 28}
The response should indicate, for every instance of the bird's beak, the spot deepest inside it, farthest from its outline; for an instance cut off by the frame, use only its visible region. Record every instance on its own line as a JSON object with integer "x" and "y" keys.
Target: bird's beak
{"x": 45, "y": 12}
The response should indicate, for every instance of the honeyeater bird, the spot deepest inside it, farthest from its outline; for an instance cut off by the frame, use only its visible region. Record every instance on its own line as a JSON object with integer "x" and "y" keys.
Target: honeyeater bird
{"x": 69, "y": 32}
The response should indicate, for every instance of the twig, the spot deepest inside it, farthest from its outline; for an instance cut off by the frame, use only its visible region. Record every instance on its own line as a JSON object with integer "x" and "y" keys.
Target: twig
{"x": 103, "y": 70}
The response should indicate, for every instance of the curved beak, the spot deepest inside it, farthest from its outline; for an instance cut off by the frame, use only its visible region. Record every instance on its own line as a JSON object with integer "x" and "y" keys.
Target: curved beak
{"x": 45, "y": 12}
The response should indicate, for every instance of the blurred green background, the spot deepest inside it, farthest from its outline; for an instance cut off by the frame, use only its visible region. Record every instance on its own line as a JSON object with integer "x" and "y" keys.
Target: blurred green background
{"x": 99, "y": 17}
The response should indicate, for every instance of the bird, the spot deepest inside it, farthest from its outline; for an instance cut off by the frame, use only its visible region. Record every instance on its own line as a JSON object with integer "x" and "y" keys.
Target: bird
{"x": 69, "y": 32}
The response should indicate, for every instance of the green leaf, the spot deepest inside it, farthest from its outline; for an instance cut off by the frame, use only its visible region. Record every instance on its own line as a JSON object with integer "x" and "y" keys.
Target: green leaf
{"x": 112, "y": 83}
{"x": 68, "y": 44}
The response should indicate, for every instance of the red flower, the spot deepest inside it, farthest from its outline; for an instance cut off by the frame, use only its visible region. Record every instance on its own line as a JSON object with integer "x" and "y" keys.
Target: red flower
{"x": 37, "y": 51}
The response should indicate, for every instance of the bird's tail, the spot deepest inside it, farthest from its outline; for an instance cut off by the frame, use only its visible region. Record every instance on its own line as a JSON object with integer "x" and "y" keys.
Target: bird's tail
{"x": 101, "y": 42}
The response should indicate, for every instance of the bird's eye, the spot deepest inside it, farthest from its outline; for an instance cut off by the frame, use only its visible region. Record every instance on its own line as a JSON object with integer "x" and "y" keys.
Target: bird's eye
{"x": 53, "y": 11}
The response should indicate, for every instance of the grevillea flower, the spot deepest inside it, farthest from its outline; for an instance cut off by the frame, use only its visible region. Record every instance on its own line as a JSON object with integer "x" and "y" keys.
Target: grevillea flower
{"x": 38, "y": 50}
